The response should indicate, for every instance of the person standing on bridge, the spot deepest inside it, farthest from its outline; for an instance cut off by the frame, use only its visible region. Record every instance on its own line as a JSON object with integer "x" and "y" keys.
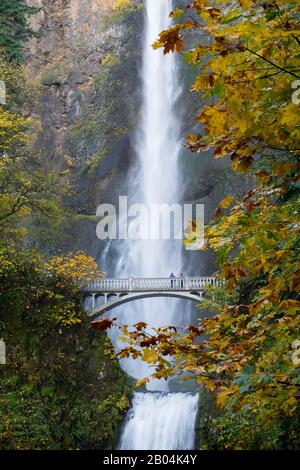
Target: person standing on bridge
{"x": 173, "y": 278}
{"x": 181, "y": 280}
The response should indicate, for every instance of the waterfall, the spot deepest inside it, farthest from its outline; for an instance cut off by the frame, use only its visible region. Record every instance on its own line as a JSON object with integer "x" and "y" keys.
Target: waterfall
{"x": 157, "y": 420}
{"x": 161, "y": 422}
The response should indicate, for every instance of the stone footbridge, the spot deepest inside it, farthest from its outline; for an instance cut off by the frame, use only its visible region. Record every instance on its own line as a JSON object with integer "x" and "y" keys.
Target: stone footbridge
{"x": 111, "y": 293}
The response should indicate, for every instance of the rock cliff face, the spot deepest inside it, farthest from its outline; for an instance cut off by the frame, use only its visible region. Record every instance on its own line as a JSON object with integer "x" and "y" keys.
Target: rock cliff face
{"x": 87, "y": 61}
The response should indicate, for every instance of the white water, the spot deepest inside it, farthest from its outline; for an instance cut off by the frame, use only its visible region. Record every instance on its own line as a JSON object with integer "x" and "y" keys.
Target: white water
{"x": 157, "y": 420}
{"x": 161, "y": 422}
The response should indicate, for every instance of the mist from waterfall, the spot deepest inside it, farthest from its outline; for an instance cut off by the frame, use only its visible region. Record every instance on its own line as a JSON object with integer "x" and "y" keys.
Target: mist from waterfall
{"x": 154, "y": 178}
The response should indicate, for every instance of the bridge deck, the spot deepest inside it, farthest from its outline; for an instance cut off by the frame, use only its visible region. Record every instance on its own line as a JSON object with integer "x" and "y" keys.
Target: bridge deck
{"x": 149, "y": 284}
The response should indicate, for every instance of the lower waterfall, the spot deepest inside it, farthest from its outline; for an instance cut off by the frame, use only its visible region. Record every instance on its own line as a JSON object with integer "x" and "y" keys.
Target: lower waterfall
{"x": 160, "y": 421}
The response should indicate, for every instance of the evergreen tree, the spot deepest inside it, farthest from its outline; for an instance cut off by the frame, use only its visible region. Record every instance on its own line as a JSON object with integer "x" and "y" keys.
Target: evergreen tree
{"x": 14, "y": 27}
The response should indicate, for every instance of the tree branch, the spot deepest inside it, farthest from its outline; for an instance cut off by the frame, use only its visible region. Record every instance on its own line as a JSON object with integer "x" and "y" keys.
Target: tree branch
{"x": 269, "y": 61}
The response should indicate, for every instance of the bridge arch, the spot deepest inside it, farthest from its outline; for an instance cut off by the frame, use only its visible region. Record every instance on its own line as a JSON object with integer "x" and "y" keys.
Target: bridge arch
{"x": 130, "y": 297}
{"x": 116, "y": 292}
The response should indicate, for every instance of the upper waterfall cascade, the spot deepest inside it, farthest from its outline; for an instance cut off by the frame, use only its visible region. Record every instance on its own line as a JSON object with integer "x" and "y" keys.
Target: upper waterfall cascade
{"x": 159, "y": 420}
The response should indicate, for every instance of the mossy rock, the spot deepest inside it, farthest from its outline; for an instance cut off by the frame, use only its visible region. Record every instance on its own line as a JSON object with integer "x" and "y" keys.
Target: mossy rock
{"x": 55, "y": 74}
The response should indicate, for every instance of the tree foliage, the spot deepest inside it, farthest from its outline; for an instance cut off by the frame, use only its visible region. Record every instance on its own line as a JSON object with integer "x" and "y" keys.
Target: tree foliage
{"x": 14, "y": 27}
{"x": 247, "y": 59}
{"x": 29, "y": 185}
{"x": 61, "y": 387}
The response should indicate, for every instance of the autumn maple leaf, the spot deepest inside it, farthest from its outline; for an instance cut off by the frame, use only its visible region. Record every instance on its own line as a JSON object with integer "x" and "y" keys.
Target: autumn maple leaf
{"x": 103, "y": 324}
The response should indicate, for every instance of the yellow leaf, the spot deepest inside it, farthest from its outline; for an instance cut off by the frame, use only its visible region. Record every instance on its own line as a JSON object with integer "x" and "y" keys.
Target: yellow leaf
{"x": 226, "y": 202}
{"x": 142, "y": 382}
{"x": 150, "y": 356}
{"x": 246, "y": 4}
{"x": 290, "y": 115}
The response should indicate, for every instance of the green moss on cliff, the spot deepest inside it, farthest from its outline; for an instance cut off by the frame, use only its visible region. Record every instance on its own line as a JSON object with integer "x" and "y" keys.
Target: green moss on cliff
{"x": 109, "y": 119}
{"x": 54, "y": 74}
{"x": 121, "y": 9}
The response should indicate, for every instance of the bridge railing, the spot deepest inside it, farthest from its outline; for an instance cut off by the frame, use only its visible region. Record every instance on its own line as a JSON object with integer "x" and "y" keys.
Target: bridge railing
{"x": 150, "y": 284}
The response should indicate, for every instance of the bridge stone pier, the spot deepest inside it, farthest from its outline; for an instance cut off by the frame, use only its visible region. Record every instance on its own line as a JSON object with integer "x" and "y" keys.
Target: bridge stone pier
{"x": 106, "y": 294}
